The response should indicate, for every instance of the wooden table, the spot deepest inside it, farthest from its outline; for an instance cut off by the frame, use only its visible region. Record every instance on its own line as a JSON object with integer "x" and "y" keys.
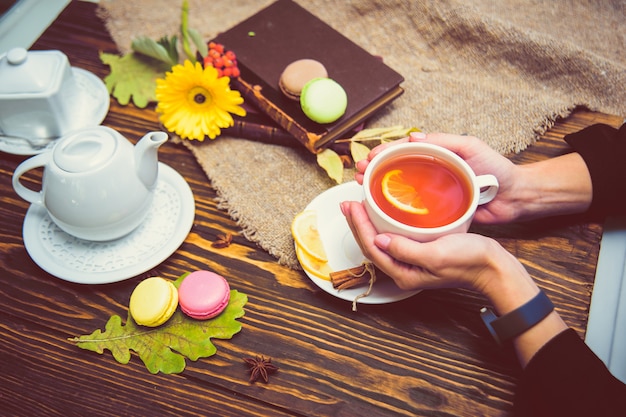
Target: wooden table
{"x": 427, "y": 355}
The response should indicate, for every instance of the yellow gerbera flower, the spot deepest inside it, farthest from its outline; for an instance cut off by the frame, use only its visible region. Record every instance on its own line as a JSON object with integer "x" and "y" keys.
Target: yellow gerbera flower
{"x": 194, "y": 102}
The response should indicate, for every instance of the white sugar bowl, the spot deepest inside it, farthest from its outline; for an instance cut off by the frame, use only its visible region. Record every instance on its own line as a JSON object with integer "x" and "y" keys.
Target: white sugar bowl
{"x": 38, "y": 94}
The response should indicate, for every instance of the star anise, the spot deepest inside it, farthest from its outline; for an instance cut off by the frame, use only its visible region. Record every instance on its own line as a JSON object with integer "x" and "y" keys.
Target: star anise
{"x": 260, "y": 368}
{"x": 222, "y": 241}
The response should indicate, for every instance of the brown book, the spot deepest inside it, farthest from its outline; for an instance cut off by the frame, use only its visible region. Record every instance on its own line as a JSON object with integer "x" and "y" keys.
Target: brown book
{"x": 257, "y": 126}
{"x": 284, "y": 32}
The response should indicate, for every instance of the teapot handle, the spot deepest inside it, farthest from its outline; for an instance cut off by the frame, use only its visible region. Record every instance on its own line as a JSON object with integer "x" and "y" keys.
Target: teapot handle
{"x": 34, "y": 197}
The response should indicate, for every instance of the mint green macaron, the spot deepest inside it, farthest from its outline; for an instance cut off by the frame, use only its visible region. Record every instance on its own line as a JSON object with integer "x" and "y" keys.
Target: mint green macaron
{"x": 323, "y": 100}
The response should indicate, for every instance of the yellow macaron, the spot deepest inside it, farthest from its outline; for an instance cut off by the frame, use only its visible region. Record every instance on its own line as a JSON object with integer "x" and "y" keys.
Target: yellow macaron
{"x": 153, "y": 301}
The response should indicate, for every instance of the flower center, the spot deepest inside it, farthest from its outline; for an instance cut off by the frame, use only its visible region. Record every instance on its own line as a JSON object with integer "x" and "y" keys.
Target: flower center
{"x": 200, "y": 96}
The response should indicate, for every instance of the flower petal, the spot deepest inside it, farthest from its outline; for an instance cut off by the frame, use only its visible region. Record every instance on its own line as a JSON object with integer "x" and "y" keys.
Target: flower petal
{"x": 194, "y": 102}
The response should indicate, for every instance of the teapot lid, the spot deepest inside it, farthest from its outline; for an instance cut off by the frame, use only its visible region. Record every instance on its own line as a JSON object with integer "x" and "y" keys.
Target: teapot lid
{"x": 35, "y": 72}
{"x": 85, "y": 150}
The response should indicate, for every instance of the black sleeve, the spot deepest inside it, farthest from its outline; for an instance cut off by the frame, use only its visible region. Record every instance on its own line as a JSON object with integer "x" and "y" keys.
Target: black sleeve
{"x": 604, "y": 150}
{"x": 565, "y": 378}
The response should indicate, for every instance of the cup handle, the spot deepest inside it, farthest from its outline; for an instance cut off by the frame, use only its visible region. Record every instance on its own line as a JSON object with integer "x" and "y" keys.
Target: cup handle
{"x": 34, "y": 197}
{"x": 488, "y": 186}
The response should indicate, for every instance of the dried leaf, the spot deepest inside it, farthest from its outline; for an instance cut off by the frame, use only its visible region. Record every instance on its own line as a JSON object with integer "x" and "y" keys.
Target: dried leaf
{"x": 399, "y": 133}
{"x": 384, "y": 134}
{"x": 133, "y": 76}
{"x": 358, "y": 151}
{"x": 164, "y": 348}
{"x": 332, "y": 164}
{"x": 373, "y": 132}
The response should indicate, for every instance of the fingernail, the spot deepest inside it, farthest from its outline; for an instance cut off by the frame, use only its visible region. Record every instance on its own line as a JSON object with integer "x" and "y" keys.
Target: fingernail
{"x": 417, "y": 135}
{"x": 382, "y": 241}
{"x": 341, "y": 207}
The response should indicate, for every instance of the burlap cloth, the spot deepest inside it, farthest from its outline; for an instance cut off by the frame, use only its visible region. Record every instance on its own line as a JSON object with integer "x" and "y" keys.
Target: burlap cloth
{"x": 503, "y": 70}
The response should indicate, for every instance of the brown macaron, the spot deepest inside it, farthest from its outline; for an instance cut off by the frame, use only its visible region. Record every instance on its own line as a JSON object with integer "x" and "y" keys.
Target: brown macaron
{"x": 297, "y": 74}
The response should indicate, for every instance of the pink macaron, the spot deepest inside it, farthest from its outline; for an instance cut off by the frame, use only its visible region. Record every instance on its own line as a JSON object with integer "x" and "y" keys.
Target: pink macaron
{"x": 203, "y": 295}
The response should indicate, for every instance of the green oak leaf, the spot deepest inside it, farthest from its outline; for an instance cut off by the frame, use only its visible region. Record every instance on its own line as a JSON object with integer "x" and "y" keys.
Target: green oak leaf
{"x": 133, "y": 75}
{"x": 164, "y": 348}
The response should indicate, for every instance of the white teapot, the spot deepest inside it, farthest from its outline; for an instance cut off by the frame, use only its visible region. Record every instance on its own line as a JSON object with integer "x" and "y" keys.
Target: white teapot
{"x": 96, "y": 185}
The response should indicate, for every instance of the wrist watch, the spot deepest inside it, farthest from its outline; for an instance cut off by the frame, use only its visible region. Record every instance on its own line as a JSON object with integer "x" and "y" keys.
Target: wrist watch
{"x": 516, "y": 322}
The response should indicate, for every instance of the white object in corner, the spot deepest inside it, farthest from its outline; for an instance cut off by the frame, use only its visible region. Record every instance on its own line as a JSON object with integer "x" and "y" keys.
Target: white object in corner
{"x": 606, "y": 327}
{"x": 26, "y": 20}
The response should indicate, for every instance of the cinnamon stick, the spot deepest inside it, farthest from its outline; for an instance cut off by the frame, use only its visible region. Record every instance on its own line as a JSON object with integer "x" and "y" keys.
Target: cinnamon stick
{"x": 352, "y": 277}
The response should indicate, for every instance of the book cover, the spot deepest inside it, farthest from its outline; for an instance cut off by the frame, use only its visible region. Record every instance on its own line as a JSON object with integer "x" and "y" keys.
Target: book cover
{"x": 284, "y": 32}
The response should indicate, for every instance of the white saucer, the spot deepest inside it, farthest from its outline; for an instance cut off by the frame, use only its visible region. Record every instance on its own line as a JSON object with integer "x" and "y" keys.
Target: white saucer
{"x": 90, "y": 110}
{"x": 167, "y": 225}
{"x": 341, "y": 248}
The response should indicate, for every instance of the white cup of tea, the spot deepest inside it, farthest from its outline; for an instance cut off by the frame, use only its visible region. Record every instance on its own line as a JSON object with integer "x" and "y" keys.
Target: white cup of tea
{"x": 423, "y": 191}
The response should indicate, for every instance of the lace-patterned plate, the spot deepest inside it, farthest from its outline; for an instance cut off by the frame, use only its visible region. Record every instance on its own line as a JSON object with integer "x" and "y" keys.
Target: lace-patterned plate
{"x": 90, "y": 110}
{"x": 342, "y": 250}
{"x": 165, "y": 228}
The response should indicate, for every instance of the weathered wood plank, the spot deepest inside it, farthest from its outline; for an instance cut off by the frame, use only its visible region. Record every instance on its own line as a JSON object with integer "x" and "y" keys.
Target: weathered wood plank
{"x": 427, "y": 355}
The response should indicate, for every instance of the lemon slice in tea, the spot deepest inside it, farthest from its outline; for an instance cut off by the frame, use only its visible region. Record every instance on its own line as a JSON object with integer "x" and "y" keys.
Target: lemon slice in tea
{"x": 402, "y": 195}
{"x": 307, "y": 237}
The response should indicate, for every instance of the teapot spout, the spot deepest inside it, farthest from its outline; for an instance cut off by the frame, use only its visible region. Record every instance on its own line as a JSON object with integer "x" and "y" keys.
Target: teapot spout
{"x": 146, "y": 158}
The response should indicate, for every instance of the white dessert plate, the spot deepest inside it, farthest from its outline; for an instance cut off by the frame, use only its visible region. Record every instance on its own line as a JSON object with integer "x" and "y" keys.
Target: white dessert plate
{"x": 342, "y": 250}
{"x": 165, "y": 228}
{"x": 90, "y": 110}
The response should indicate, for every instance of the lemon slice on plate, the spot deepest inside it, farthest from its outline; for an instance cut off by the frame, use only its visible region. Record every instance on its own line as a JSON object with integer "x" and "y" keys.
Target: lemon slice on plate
{"x": 307, "y": 237}
{"x": 309, "y": 247}
{"x": 311, "y": 265}
{"x": 402, "y": 195}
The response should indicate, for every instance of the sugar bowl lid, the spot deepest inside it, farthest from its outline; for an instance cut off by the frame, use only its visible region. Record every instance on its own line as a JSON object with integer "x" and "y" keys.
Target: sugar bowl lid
{"x": 34, "y": 73}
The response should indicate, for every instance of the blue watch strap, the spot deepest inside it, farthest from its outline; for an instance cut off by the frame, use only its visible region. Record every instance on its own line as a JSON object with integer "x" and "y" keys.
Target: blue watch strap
{"x": 519, "y": 320}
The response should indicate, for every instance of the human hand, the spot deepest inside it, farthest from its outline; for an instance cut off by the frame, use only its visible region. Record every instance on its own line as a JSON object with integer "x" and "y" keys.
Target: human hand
{"x": 459, "y": 260}
{"x": 551, "y": 187}
{"x": 482, "y": 159}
